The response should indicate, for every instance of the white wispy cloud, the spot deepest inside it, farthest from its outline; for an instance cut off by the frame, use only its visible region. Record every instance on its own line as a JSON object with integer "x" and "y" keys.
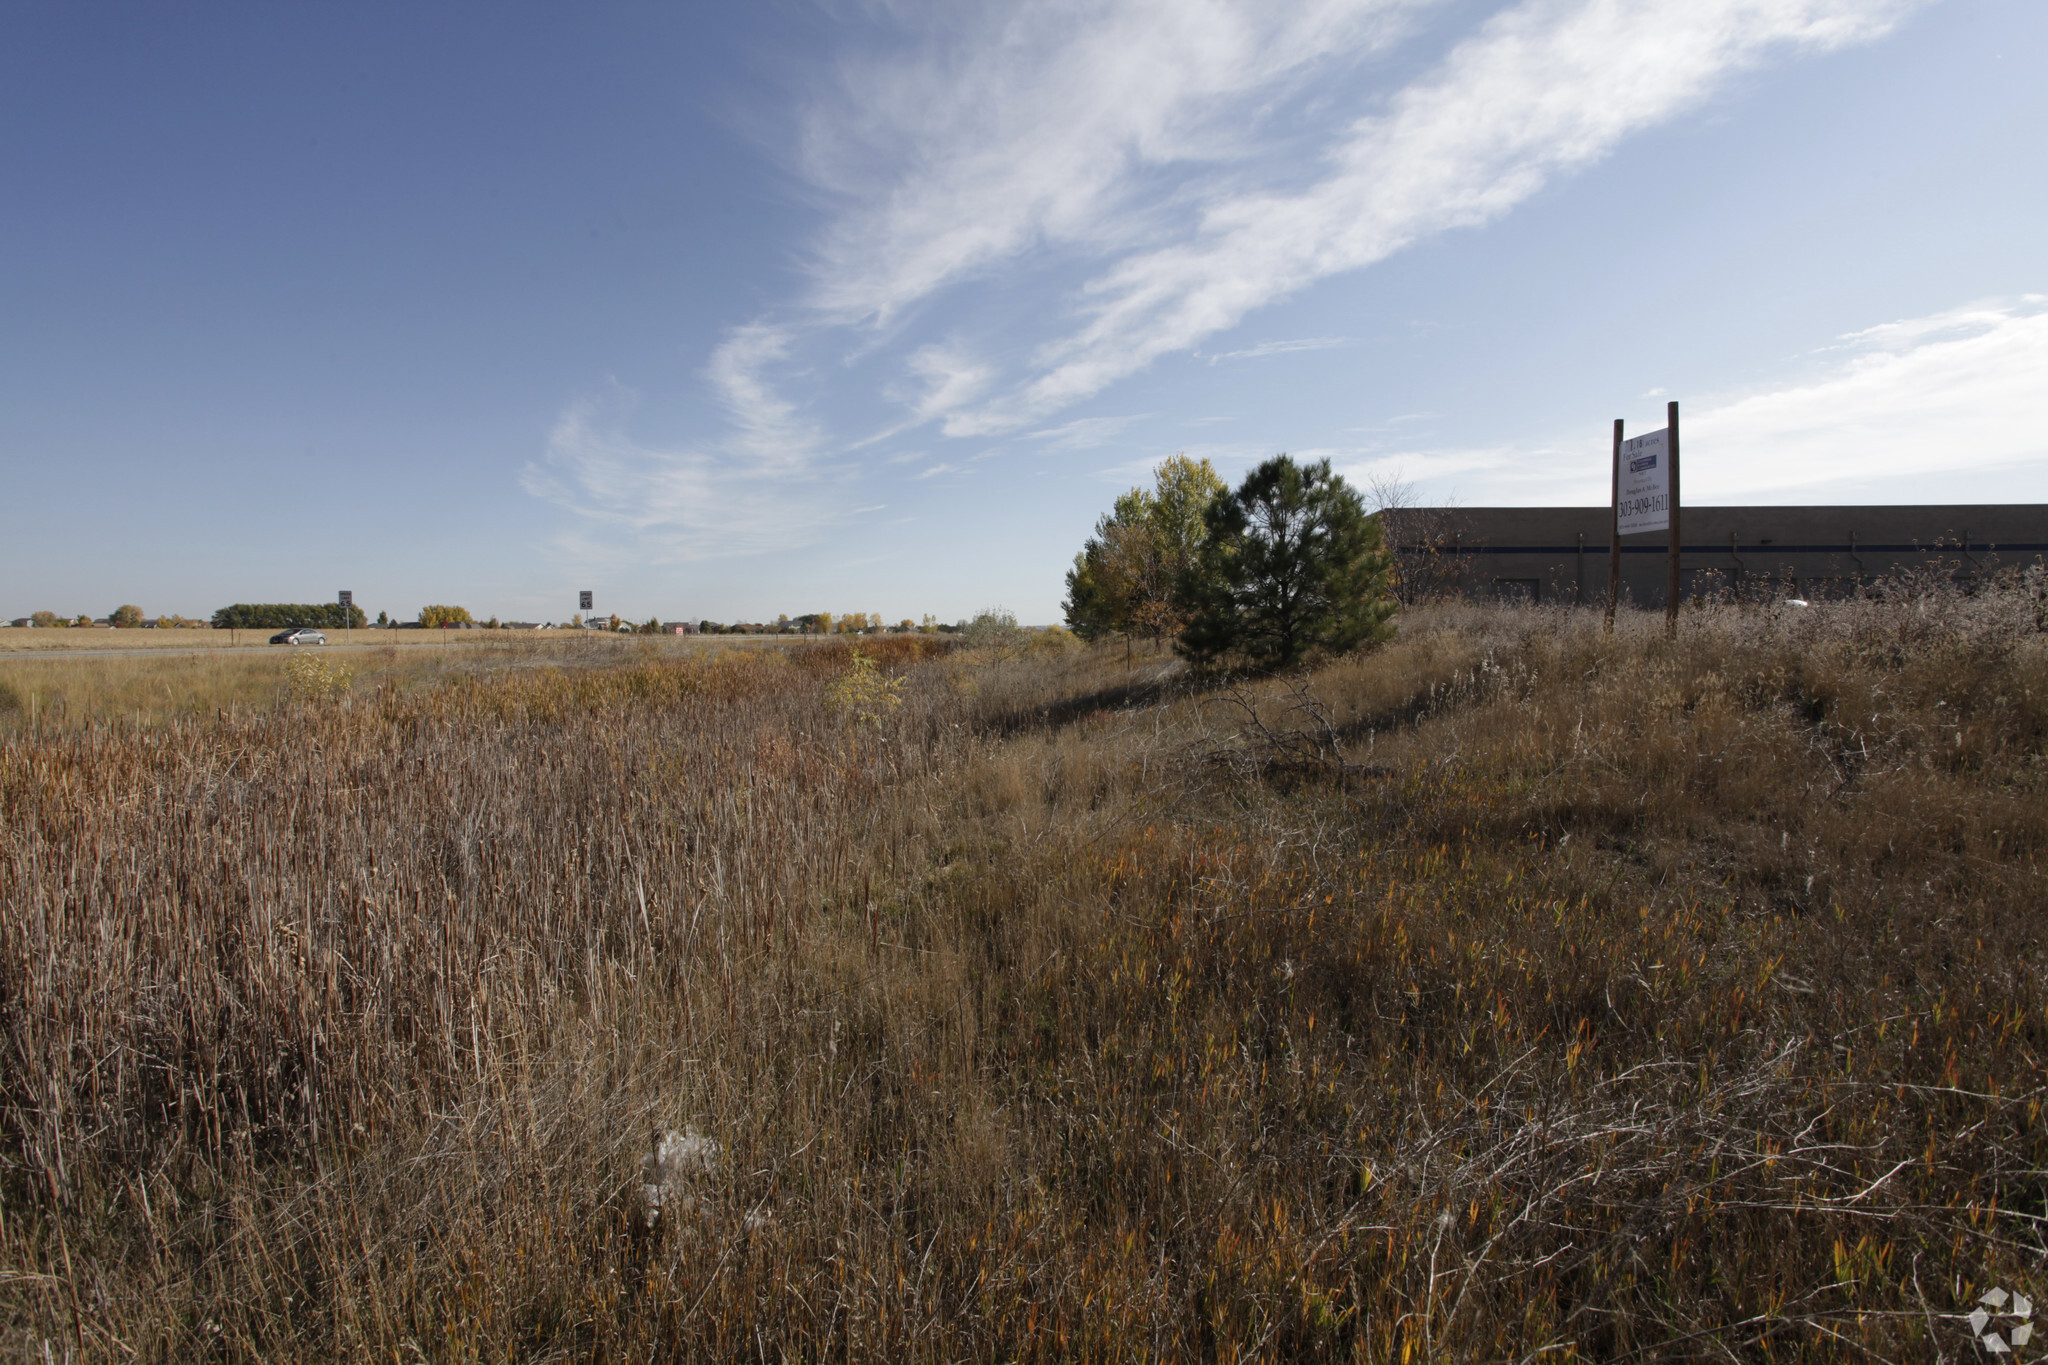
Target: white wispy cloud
{"x": 1266, "y": 348}
{"x": 1086, "y": 433}
{"x": 941, "y": 378}
{"x": 1000, "y": 127}
{"x": 1230, "y": 458}
{"x": 1131, "y": 178}
{"x": 767, "y": 430}
{"x": 950, "y": 376}
{"x": 760, "y": 490}
{"x": 1955, "y": 392}
{"x": 1541, "y": 89}
{"x": 1436, "y": 470}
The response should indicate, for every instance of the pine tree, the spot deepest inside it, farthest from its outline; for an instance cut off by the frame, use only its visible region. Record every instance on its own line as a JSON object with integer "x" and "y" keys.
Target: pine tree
{"x": 1292, "y": 567}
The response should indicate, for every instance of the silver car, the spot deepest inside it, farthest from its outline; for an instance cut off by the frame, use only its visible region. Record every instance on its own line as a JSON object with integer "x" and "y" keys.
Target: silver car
{"x": 302, "y": 635}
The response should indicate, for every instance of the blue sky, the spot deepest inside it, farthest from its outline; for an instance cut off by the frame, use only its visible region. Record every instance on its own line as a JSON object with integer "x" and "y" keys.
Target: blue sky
{"x": 733, "y": 310}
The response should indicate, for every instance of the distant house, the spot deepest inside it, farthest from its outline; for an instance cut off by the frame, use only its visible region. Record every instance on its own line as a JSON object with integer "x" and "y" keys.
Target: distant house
{"x": 520, "y": 625}
{"x": 678, "y": 627}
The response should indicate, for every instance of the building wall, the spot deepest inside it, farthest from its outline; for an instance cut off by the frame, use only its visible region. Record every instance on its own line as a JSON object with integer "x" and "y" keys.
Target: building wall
{"x": 1560, "y": 554}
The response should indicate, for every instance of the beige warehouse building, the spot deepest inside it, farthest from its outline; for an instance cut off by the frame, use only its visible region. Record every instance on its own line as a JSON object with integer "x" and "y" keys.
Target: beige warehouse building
{"x": 1559, "y": 555}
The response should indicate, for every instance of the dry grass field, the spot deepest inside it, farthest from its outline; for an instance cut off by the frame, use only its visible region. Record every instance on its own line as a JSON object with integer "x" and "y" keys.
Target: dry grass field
{"x": 1515, "y": 992}
{"x": 61, "y": 688}
{"x": 17, "y": 640}
{"x": 31, "y": 641}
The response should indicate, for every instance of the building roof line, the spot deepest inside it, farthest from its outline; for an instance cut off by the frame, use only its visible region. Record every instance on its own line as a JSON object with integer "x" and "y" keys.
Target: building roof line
{"x": 1722, "y": 548}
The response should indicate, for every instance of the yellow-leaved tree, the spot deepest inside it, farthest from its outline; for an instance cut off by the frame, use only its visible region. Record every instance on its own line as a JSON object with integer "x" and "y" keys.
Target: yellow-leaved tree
{"x": 1135, "y": 574}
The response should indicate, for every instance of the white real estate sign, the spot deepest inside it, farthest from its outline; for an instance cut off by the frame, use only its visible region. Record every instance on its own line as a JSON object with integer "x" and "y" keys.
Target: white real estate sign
{"x": 1645, "y": 484}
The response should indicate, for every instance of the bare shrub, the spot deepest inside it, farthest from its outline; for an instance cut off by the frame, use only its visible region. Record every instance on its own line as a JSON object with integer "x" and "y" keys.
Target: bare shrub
{"x": 1424, "y": 541}
{"x": 864, "y": 695}
{"x": 310, "y": 678}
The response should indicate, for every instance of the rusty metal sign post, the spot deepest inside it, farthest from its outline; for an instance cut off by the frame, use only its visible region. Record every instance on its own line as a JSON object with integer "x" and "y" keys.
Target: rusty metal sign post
{"x": 1646, "y": 499}
{"x": 1614, "y": 537}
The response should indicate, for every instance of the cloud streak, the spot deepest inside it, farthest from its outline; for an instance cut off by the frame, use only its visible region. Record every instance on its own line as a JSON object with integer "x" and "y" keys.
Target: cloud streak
{"x": 1958, "y": 390}
{"x": 1542, "y": 89}
{"x": 1266, "y": 348}
{"x": 1125, "y": 179}
{"x": 758, "y": 490}
{"x": 1086, "y": 433}
{"x": 767, "y": 431}
{"x": 1951, "y": 393}
{"x": 1005, "y": 127}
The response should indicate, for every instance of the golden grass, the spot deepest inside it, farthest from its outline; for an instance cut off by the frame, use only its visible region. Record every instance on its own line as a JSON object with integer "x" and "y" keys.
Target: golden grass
{"x": 33, "y": 641}
{"x": 1516, "y": 991}
{"x": 150, "y": 688}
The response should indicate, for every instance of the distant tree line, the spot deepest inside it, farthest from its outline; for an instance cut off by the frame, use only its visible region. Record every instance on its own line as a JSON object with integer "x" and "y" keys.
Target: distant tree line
{"x": 278, "y": 615}
{"x": 827, "y": 623}
{"x": 127, "y": 616}
{"x": 1285, "y": 568}
{"x": 328, "y": 615}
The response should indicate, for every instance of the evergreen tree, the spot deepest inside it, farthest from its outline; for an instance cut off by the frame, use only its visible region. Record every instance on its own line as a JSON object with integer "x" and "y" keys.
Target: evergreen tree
{"x": 1291, "y": 567}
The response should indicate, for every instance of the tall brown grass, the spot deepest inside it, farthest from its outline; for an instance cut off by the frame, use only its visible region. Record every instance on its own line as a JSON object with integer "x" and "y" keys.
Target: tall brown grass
{"x": 1517, "y": 990}
{"x": 115, "y": 688}
{"x": 207, "y": 639}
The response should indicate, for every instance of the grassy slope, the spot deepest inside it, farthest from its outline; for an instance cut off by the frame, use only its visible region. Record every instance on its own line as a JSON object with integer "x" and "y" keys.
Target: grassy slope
{"x": 1515, "y": 987}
